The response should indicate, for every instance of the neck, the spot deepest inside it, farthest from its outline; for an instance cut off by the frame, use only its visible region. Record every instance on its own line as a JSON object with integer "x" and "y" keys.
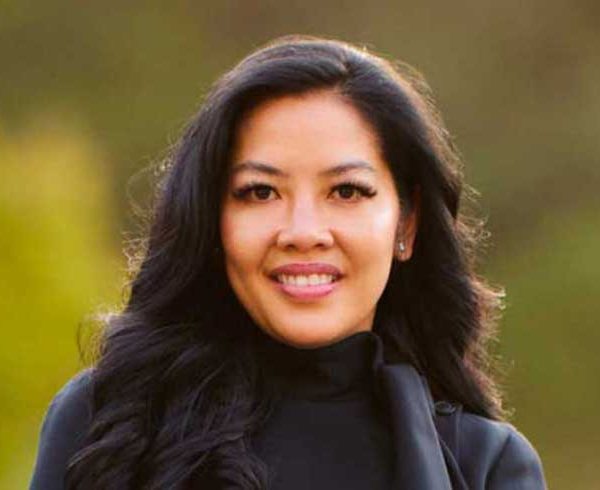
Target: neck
{"x": 343, "y": 369}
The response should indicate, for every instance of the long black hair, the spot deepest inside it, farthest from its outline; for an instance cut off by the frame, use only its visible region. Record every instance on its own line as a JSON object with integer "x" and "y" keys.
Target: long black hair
{"x": 176, "y": 388}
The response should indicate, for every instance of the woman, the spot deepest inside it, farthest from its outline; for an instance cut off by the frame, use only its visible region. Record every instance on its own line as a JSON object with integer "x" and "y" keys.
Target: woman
{"x": 305, "y": 313}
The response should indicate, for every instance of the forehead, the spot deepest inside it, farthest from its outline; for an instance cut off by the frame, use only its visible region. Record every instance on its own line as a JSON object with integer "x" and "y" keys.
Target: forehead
{"x": 309, "y": 131}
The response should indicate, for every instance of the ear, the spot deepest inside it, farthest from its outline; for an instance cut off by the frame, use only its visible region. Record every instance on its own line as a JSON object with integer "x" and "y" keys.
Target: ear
{"x": 407, "y": 229}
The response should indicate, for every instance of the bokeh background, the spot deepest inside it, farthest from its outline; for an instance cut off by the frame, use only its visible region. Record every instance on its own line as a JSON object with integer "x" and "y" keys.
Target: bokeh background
{"x": 92, "y": 93}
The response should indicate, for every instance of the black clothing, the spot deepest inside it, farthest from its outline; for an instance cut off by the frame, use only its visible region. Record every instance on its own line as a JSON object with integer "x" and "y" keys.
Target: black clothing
{"x": 328, "y": 430}
{"x": 345, "y": 420}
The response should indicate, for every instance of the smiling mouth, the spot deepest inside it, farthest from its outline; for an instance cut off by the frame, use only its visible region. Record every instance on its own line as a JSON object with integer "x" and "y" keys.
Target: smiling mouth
{"x": 309, "y": 287}
{"x": 305, "y": 280}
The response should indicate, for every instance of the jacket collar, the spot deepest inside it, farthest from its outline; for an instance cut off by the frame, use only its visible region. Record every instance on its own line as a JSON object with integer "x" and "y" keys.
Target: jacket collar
{"x": 419, "y": 456}
{"x": 419, "y": 460}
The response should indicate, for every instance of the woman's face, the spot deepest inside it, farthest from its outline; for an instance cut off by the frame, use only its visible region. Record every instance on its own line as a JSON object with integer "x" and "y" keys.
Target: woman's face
{"x": 310, "y": 219}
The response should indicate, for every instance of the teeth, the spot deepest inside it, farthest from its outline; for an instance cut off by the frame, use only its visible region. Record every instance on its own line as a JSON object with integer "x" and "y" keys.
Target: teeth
{"x": 311, "y": 280}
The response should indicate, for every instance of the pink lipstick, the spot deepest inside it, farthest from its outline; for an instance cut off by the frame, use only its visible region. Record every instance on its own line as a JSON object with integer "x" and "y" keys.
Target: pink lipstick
{"x": 306, "y": 281}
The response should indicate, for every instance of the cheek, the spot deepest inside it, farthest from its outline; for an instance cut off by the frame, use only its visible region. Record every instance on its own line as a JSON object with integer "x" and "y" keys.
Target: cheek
{"x": 244, "y": 240}
{"x": 372, "y": 234}
{"x": 373, "y": 254}
{"x": 384, "y": 222}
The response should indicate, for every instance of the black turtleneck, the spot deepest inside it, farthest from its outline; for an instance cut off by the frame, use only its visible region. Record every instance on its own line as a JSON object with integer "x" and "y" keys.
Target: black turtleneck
{"x": 328, "y": 429}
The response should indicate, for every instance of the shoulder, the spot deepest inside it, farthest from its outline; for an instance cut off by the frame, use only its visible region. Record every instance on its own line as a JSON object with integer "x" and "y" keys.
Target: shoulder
{"x": 62, "y": 431}
{"x": 70, "y": 408}
{"x": 495, "y": 455}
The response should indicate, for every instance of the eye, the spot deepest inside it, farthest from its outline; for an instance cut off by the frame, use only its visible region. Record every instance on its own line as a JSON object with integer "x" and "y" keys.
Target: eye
{"x": 260, "y": 191}
{"x": 350, "y": 191}
{"x": 347, "y": 191}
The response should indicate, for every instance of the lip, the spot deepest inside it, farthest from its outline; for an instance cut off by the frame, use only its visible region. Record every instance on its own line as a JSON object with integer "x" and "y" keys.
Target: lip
{"x": 306, "y": 268}
{"x": 306, "y": 293}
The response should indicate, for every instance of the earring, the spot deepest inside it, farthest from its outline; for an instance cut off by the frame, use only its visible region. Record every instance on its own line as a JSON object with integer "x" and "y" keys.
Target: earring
{"x": 401, "y": 247}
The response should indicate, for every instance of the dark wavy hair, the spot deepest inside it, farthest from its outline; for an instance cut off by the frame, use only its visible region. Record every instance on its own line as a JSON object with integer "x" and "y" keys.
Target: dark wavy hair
{"x": 177, "y": 390}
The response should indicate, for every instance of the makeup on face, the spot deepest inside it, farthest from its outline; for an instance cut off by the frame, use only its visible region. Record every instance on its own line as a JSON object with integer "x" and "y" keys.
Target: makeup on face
{"x": 309, "y": 219}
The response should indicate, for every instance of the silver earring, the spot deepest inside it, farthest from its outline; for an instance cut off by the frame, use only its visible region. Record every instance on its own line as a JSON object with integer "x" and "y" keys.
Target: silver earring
{"x": 401, "y": 247}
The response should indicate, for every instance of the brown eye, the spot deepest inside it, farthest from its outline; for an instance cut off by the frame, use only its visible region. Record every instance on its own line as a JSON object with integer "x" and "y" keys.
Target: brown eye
{"x": 349, "y": 191}
{"x": 253, "y": 192}
{"x": 346, "y": 191}
{"x": 262, "y": 192}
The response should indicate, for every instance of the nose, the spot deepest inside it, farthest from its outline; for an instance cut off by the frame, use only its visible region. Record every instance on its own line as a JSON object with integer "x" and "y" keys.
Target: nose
{"x": 305, "y": 228}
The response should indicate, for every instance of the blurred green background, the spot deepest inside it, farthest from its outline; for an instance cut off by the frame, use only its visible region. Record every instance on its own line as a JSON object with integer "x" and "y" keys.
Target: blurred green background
{"x": 91, "y": 93}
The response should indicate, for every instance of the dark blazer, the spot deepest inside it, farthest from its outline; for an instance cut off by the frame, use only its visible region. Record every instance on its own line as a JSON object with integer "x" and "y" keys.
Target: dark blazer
{"x": 438, "y": 446}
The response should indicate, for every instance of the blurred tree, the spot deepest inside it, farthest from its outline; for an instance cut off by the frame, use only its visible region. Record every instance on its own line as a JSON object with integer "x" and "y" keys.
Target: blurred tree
{"x": 57, "y": 266}
{"x": 91, "y": 92}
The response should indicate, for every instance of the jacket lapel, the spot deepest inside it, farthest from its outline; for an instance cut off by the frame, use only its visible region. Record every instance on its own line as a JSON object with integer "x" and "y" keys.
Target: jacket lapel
{"x": 419, "y": 459}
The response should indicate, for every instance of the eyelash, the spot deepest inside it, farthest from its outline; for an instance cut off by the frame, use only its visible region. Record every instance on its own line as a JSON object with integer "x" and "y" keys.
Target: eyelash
{"x": 243, "y": 193}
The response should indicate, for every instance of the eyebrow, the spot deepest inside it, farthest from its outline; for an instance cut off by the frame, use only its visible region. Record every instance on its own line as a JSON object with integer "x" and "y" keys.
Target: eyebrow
{"x": 261, "y": 167}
